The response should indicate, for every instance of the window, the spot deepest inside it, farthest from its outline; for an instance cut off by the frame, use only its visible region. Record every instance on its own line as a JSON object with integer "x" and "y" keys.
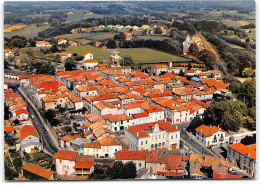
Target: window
{"x": 140, "y": 164}
{"x": 146, "y": 142}
{"x": 172, "y": 136}
{"x": 142, "y": 143}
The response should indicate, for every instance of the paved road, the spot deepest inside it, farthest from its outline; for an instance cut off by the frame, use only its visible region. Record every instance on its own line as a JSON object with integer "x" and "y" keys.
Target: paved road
{"x": 192, "y": 142}
{"x": 47, "y": 141}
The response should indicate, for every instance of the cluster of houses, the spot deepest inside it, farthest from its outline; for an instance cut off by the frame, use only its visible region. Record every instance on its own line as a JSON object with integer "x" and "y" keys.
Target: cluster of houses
{"x": 189, "y": 40}
{"x": 128, "y": 30}
{"x": 130, "y": 116}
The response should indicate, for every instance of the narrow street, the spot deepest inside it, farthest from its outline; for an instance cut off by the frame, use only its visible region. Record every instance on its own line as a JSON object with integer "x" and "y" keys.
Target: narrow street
{"x": 45, "y": 137}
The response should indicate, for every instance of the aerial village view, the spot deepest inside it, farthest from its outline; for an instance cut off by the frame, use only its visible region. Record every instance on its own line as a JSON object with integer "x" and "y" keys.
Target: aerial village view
{"x": 160, "y": 90}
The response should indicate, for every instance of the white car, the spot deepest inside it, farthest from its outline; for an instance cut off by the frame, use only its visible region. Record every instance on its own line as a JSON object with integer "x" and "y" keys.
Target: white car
{"x": 32, "y": 116}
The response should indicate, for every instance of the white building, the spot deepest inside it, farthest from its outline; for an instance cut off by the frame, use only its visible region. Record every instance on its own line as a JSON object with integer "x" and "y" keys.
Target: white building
{"x": 211, "y": 135}
{"x": 65, "y": 162}
{"x": 154, "y": 135}
{"x": 30, "y": 141}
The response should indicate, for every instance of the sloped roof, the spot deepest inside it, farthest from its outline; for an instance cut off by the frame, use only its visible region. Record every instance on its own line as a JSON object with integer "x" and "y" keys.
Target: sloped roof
{"x": 243, "y": 149}
{"x": 208, "y": 130}
{"x": 131, "y": 155}
{"x": 66, "y": 155}
{"x": 28, "y": 130}
{"x": 40, "y": 171}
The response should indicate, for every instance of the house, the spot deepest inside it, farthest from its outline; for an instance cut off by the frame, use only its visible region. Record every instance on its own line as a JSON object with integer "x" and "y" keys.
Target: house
{"x": 62, "y": 41}
{"x": 22, "y": 114}
{"x": 30, "y": 139}
{"x": 137, "y": 157}
{"x": 157, "y": 69}
{"x": 243, "y": 156}
{"x": 150, "y": 136}
{"x": 89, "y": 63}
{"x": 8, "y": 53}
{"x": 88, "y": 55}
{"x": 118, "y": 122}
{"x": 115, "y": 55}
{"x": 10, "y": 131}
{"x": 84, "y": 165}
{"x": 73, "y": 43}
{"x": 105, "y": 147}
{"x": 199, "y": 163}
{"x": 211, "y": 135}
{"x": 65, "y": 162}
{"x": 35, "y": 172}
{"x": 161, "y": 166}
{"x": 43, "y": 44}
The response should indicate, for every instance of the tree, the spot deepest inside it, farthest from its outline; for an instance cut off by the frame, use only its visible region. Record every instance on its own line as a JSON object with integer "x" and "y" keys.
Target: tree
{"x": 49, "y": 114}
{"x": 111, "y": 44}
{"x": 57, "y": 59}
{"x": 181, "y": 73}
{"x": 249, "y": 92}
{"x": 16, "y": 122}
{"x": 158, "y": 31}
{"x": 127, "y": 61}
{"x": 208, "y": 57}
{"x": 117, "y": 171}
{"x": 229, "y": 114}
{"x": 248, "y": 140}
{"x": 47, "y": 68}
{"x": 130, "y": 168}
{"x": 248, "y": 72}
{"x": 194, "y": 49}
{"x": 195, "y": 123}
{"x": 70, "y": 65}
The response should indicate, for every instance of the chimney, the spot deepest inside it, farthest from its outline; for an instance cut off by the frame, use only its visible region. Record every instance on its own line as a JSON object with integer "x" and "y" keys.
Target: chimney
{"x": 205, "y": 158}
{"x": 176, "y": 127}
{"x": 248, "y": 154}
{"x": 201, "y": 130}
{"x": 137, "y": 134}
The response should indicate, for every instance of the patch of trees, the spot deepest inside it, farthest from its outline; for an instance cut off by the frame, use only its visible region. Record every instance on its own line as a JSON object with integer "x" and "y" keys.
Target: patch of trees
{"x": 238, "y": 42}
{"x": 70, "y": 65}
{"x": 240, "y": 33}
{"x": 123, "y": 171}
{"x": 50, "y": 116}
{"x": 248, "y": 140}
{"x": 209, "y": 26}
{"x": 248, "y": 26}
{"x": 229, "y": 115}
{"x": 236, "y": 60}
{"x": 208, "y": 57}
{"x": 194, "y": 49}
{"x": 16, "y": 42}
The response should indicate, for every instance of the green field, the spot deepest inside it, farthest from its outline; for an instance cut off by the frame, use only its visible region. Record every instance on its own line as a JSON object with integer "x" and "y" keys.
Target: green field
{"x": 146, "y": 55}
{"x": 97, "y": 52}
{"x": 28, "y": 32}
{"x": 93, "y": 36}
{"x": 139, "y": 55}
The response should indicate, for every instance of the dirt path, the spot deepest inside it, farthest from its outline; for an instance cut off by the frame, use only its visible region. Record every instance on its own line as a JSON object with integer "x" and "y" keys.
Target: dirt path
{"x": 208, "y": 46}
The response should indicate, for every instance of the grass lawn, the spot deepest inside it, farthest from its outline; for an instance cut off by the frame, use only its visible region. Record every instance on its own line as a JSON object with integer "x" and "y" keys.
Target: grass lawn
{"x": 146, "y": 55}
{"x": 242, "y": 79}
{"x": 147, "y": 37}
{"x": 97, "y": 52}
{"x": 139, "y": 55}
{"x": 28, "y": 31}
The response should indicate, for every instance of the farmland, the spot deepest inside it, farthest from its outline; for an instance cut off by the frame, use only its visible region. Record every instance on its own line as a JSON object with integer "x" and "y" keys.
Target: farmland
{"x": 28, "y": 31}
{"x": 146, "y": 55}
{"x": 97, "y": 52}
{"x": 93, "y": 36}
{"x": 13, "y": 28}
{"x": 139, "y": 55}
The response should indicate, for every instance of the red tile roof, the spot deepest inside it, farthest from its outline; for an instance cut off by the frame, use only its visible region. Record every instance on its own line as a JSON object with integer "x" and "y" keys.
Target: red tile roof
{"x": 208, "y": 130}
{"x": 40, "y": 171}
{"x": 20, "y": 111}
{"x": 226, "y": 176}
{"x": 9, "y": 129}
{"x": 245, "y": 150}
{"x": 131, "y": 155}
{"x": 28, "y": 130}
{"x": 66, "y": 155}
{"x": 142, "y": 129}
{"x": 140, "y": 115}
{"x": 84, "y": 165}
